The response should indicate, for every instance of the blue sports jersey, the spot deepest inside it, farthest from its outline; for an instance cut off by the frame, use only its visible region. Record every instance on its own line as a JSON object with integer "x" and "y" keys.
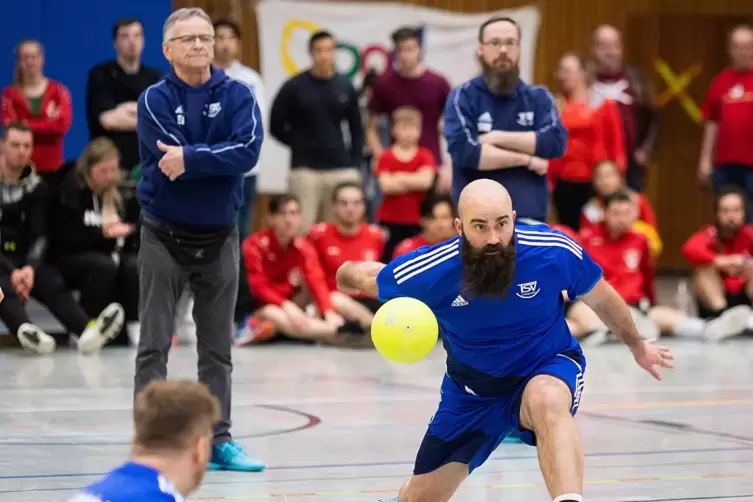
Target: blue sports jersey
{"x": 130, "y": 482}
{"x": 494, "y": 344}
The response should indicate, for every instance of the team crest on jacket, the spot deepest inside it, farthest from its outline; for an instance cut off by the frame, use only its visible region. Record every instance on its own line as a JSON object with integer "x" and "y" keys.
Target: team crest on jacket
{"x": 632, "y": 258}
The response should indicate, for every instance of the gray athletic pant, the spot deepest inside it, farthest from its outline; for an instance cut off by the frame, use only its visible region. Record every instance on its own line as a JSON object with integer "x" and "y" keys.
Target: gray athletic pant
{"x": 215, "y": 289}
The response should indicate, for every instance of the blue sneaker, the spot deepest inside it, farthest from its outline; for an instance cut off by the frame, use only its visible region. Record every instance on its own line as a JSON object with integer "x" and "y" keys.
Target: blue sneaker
{"x": 231, "y": 456}
{"x": 391, "y": 500}
{"x": 513, "y": 437}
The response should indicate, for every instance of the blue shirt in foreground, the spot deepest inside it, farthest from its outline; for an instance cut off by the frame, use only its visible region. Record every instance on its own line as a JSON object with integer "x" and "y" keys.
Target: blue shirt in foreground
{"x": 472, "y": 109}
{"x": 219, "y": 126}
{"x": 493, "y": 344}
{"x": 130, "y": 483}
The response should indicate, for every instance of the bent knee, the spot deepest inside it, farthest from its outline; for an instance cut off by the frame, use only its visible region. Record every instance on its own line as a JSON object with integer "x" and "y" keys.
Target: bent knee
{"x": 545, "y": 398}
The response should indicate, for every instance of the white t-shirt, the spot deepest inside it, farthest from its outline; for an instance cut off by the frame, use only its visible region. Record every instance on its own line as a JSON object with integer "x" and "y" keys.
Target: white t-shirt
{"x": 244, "y": 74}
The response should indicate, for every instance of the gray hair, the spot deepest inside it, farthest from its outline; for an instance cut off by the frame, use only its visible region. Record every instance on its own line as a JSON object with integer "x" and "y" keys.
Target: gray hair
{"x": 182, "y": 15}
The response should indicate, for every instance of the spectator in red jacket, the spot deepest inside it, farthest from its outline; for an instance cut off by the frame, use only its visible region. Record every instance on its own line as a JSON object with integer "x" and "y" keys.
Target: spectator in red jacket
{"x": 595, "y": 134}
{"x": 437, "y": 220}
{"x": 284, "y": 273}
{"x": 348, "y": 238}
{"x": 405, "y": 172}
{"x": 628, "y": 266}
{"x": 727, "y": 151}
{"x": 607, "y": 179}
{"x": 44, "y": 104}
{"x": 721, "y": 254}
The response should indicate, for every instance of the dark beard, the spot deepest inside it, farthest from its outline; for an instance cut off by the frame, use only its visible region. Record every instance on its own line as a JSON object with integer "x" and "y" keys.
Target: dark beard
{"x": 488, "y": 271}
{"x": 500, "y": 80}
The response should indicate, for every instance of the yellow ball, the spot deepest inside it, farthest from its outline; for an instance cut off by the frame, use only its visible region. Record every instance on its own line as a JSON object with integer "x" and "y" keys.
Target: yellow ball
{"x": 404, "y": 330}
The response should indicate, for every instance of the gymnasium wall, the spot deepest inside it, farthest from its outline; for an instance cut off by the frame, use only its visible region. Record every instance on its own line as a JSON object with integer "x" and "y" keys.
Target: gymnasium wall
{"x": 76, "y": 35}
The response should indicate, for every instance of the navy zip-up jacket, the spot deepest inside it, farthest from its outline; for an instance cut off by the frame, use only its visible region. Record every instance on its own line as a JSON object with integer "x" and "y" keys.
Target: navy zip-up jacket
{"x": 219, "y": 126}
{"x": 472, "y": 109}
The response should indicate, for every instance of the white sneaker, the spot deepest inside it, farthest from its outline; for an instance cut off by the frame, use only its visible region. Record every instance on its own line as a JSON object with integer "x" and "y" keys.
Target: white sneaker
{"x": 731, "y": 323}
{"x": 105, "y": 328}
{"x": 32, "y": 338}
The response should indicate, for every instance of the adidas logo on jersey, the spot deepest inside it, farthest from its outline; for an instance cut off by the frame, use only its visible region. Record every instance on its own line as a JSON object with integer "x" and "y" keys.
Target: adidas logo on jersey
{"x": 459, "y": 302}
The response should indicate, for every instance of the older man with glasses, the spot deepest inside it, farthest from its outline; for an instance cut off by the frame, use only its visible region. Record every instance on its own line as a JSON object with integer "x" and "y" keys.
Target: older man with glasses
{"x": 199, "y": 133}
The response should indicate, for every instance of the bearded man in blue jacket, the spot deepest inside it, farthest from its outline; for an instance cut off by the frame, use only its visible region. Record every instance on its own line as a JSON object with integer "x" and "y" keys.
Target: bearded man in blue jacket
{"x": 199, "y": 133}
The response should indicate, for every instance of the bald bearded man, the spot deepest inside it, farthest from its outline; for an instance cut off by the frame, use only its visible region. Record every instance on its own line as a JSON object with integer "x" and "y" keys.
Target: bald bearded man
{"x": 512, "y": 364}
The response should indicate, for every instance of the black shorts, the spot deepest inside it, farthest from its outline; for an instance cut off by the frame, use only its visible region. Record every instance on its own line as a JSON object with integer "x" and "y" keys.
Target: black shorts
{"x": 733, "y": 300}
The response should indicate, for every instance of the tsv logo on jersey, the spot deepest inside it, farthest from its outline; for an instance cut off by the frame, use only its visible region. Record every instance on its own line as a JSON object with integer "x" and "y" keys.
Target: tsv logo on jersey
{"x": 525, "y": 119}
{"x": 484, "y": 123}
{"x": 528, "y": 290}
{"x": 214, "y": 109}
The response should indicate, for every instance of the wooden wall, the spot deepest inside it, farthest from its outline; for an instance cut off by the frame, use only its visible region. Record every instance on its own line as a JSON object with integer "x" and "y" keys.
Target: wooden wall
{"x": 680, "y": 32}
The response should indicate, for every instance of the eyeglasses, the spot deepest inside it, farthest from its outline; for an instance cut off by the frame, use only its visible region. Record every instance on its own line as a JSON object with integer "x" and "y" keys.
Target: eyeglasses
{"x": 190, "y": 39}
{"x": 497, "y": 43}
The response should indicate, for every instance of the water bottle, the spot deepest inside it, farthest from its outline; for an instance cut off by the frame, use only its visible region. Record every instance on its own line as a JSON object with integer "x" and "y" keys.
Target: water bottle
{"x": 684, "y": 299}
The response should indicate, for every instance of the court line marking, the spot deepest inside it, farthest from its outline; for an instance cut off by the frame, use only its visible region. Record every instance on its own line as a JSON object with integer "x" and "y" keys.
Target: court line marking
{"x": 410, "y": 462}
{"x": 264, "y": 496}
{"x": 486, "y": 472}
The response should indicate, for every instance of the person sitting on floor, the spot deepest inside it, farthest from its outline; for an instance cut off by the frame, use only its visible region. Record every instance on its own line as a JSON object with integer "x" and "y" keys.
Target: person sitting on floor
{"x": 88, "y": 232}
{"x": 628, "y": 266}
{"x": 284, "y": 273}
{"x": 23, "y": 244}
{"x": 348, "y": 238}
{"x": 607, "y": 178}
{"x": 437, "y": 223}
{"x": 721, "y": 254}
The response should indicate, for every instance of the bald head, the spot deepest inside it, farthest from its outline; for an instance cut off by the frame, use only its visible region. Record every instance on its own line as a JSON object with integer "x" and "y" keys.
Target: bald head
{"x": 607, "y": 49}
{"x": 484, "y": 194}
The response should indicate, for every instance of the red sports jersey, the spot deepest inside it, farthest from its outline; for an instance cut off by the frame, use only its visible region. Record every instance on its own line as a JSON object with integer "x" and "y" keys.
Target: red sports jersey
{"x": 48, "y": 127}
{"x": 276, "y": 274}
{"x": 334, "y": 248}
{"x": 626, "y": 261}
{"x": 410, "y": 244}
{"x": 729, "y": 103}
{"x": 403, "y": 208}
{"x": 704, "y": 246}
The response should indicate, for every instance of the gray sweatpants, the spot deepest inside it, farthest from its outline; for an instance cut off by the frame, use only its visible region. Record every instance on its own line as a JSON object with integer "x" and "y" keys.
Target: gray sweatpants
{"x": 215, "y": 289}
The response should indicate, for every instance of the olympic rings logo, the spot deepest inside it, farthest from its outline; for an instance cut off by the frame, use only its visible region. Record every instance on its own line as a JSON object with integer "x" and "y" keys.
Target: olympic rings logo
{"x": 359, "y": 57}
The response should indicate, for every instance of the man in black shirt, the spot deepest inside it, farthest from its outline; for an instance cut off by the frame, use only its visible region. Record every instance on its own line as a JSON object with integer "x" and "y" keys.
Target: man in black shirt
{"x": 113, "y": 89}
{"x": 307, "y": 115}
{"x": 23, "y": 243}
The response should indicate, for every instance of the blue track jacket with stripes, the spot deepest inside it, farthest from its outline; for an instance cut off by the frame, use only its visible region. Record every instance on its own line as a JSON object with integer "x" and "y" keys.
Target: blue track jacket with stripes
{"x": 472, "y": 109}
{"x": 219, "y": 126}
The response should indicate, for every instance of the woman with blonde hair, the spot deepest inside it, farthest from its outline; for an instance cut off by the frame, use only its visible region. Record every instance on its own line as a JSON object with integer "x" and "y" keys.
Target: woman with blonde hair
{"x": 43, "y": 104}
{"x": 88, "y": 231}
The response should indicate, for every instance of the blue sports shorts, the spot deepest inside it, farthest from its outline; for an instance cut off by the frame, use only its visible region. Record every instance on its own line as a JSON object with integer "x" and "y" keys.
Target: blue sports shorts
{"x": 467, "y": 428}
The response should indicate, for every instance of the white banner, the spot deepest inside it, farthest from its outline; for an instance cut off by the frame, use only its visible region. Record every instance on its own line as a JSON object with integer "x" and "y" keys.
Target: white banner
{"x": 363, "y": 31}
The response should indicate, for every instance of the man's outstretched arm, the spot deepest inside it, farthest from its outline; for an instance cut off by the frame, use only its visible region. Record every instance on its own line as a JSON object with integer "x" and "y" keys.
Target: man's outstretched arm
{"x": 359, "y": 276}
{"x": 612, "y": 309}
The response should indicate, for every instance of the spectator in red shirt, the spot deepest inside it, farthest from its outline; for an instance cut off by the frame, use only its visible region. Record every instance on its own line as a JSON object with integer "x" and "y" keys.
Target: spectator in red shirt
{"x": 44, "y": 104}
{"x": 411, "y": 84}
{"x": 594, "y": 134}
{"x": 284, "y": 273}
{"x": 728, "y": 110}
{"x": 348, "y": 238}
{"x": 405, "y": 172}
{"x": 437, "y": 221}
{"x": 608, "y": 179}
{"x": 721, "y": 254}
{"x": 628, "y": 266}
